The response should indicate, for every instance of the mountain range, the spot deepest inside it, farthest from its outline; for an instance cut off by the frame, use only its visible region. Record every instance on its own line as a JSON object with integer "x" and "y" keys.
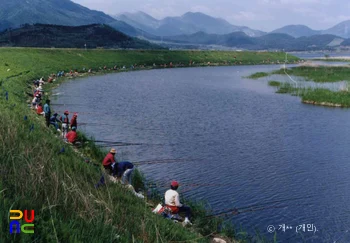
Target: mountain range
{"x": 191, "y": 23}
{"x": 14, "y": 13}
{"x": 58, "y": 36}
{"x": 342, "y": 30}
{"x": 190, "y": 28}
{"x": 188, "y": 23}
{"x": 271, "y": 41}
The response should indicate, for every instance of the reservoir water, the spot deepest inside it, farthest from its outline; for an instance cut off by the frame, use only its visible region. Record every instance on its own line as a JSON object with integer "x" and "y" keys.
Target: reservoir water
{"x": 244, "y": 144}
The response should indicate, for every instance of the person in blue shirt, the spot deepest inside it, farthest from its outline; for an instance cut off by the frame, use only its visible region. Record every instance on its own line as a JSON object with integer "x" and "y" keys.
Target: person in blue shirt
{"x": 47, "y": 111}
{"x": 54, "y": 121}
{"x": 124, "y": 171}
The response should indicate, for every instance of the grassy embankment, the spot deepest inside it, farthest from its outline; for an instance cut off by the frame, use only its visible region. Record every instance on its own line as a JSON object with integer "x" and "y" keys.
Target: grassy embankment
{"x": 258, "y": 75}
{"x": 319, "y": 74}
{"x": 60, "y": 186}
{"x": 333, "y": 59}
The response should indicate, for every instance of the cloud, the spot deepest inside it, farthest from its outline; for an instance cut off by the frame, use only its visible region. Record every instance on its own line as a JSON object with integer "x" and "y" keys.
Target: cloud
{"x": 298, "y": 2}
{"x": 201, "y": 8}
{"x": 311, "y": 12}
{"x": 249, "y": 16}
{"x": 335, "y": 19}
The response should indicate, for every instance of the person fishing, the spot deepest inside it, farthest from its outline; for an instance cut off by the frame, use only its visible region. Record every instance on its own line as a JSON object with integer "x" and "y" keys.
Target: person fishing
{"x": 65, "y": 123}
{"x": 73, "y": 121}
{"x": 124, "y": 171}
{"x": 47, "y": 111}
{"x": 172, "y": 201}
{"x": 72, "y": 136}
{"x": 54, "y": 121}
{"x": 35, "y": 101}
{"x": 40, "y": 110}
{"x": 109, "y": 162}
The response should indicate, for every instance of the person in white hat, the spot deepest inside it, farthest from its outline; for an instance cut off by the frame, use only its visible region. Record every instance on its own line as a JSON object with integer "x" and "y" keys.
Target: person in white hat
{"x": 109, "y": 162}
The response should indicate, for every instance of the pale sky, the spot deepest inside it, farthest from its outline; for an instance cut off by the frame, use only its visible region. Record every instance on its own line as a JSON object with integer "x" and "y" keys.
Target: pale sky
{"x": 265, "y": 15}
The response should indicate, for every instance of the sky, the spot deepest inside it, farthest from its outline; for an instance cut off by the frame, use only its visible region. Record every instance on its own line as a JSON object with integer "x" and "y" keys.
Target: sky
{"x": 265, "y": 15}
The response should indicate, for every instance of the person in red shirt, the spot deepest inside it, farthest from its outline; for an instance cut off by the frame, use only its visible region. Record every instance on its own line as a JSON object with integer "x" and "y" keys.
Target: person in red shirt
{"x": 72, "y": 136}
{"x": 73, "y": 121}
{"x": 109, "y": 162}
{"x": 40, "y": 110}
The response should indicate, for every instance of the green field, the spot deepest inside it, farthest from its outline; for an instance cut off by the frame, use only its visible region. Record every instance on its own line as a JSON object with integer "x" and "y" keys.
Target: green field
{"x": 320, "y": 74}
{"x": 258, "y": 75}
{"x": 316, "y": 96}
{"x": 60, "y": 186}
{"x": 327, "y": 98}
{"x": 333, "y": 59}
{"x": 274, "y": 83}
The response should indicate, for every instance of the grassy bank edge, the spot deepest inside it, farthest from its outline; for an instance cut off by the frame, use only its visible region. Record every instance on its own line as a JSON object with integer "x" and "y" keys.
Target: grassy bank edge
{"x": 12, "y": 114}
{"x": 318, "y": 96}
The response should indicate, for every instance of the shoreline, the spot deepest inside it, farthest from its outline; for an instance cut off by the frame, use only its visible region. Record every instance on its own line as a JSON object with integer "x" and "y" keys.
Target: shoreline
{"x": 147, "y": 201}
{"x": 328, "y": 104}
{"x": 68, "y": 169}
{"x": 323, "y": 76}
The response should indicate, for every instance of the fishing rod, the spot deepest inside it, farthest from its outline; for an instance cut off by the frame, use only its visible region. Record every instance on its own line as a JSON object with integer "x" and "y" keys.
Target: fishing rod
{"x": 239, "y": 211}
{"x": 111, "y": 143}
{"x": 258, "y": 205}
{"x": 166, "y": 161}
{"x": 94, "y": 124}
{"x": 190, "y": 186}
{"x": 118, "y": 145}
{"x": 148, "y": 162}
{"x": 68, "y": 104}
{"x": 103, "y": 141}
{"x": 260, "y": 209}
{"x": 85, "y": 113}
{"x": 106, "y": 141}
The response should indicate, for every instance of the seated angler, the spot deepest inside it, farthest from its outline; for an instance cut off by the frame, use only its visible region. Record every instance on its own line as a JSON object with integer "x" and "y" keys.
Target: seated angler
{"x": 40, "y": 110}
{"x": 172, "y": 201}
{"x": 72, "y": 136}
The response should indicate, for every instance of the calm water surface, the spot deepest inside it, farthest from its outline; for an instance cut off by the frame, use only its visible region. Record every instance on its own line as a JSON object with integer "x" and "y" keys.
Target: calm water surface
{"x": 249, "y": 145}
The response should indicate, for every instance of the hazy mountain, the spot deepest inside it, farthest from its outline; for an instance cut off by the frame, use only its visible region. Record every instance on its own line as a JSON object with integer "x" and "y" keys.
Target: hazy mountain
{"x": 125, "y": 28}
{"x": 95, "y": 35}
{"x": 271, "y": 41}
{"x": 209, "y": 24}
{"x": 13, "y": 13}
{"x": 188, "y": 23}
{"x": 342, "y": 29}
{"x": 140, "y": 20}
{"x": 212, "y": 39}
{"x": 297, "y": 31}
